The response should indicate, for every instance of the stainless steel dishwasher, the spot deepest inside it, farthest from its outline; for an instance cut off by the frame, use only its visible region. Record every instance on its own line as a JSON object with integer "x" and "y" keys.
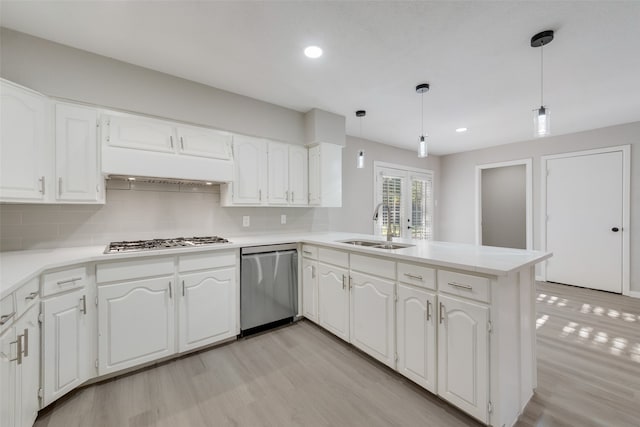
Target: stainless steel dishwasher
{"x": 268, "y": 287}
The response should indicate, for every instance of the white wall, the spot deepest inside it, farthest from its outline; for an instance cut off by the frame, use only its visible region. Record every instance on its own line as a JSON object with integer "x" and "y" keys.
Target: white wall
{"x": 457, "y": 181}
{"x": 358, "y": 184}
{"x": 66, "y": 72}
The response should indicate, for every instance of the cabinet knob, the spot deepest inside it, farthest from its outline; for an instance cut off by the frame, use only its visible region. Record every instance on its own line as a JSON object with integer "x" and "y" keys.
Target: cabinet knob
{"x": 615, "y": 229}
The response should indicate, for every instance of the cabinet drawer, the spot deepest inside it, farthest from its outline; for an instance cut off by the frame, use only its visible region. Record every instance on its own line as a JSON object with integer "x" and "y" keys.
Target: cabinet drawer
{"x": 375, "y": 266}
{"x": 7, "y": 312}
{"x": 331, "y": 256}
{"x": 309, "y": 251}
{"x": 26, "y": 296}
{"x": 417, "y": 275}
{"x": 64, "y": 280}
{"x": 206, "y": 260}
{"x": 464, "y": 285}
{"x": 128, "y": 270}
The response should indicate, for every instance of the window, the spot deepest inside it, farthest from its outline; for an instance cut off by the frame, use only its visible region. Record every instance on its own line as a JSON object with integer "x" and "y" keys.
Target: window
{"x": 407, "y": 194}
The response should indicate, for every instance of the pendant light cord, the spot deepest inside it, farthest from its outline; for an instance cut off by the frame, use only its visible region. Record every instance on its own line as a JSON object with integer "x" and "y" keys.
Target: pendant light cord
{"x": 541, "y": 75}
{"x": 422, "y": 114}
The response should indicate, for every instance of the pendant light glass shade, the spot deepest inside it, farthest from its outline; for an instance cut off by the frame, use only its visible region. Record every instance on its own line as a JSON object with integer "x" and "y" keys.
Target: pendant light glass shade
{"x": 360, "y": 159}
{"x": 541, "y": 121}
{"x": 422, "y": 148}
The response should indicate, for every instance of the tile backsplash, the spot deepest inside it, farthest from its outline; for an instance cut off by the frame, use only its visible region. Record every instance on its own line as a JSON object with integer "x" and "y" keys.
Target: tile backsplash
{"x": 144, "y": 211}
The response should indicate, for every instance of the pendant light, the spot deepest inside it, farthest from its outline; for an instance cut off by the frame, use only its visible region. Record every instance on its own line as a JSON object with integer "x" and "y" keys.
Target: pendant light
{"x": 422, "y": 143}
{"x": 541, "y": 118}
{"x": 360, "y": 159}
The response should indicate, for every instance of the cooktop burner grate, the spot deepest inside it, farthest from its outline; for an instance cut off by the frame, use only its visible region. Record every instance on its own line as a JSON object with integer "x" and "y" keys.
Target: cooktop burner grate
{"x": 155, "y": 244}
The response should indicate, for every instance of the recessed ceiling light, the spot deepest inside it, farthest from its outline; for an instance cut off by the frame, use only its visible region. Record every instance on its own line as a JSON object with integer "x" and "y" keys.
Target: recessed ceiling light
{"x": 131, "y": 178}
{"x": 209, "y": 183}
{"x": 460, "y": 130}
{"x": 313, "y": 52}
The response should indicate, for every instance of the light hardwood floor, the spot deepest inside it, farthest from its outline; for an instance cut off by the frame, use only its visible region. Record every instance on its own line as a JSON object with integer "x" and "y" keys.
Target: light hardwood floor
{"x": 300, "y": 375}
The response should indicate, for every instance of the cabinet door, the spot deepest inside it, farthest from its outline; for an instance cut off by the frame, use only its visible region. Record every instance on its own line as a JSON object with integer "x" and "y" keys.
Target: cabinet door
{"x": 66, "y": 353}
{"x": 8, "y": 371}
{"x": 204, "y": 142}
{"x": 278, "y": 166}
{"x": 333, "y": 299}
{"x": 29, "y": 369}
{"x": 250, "y": 163}
{"x": 298, "y": 176}
{"x": 76, "y": 153}
{"x": 310, "y": 289}
{"x": 314, "y": 175}
{"x": 373, "y": 316}
{"x": 136, "y": 323}
{"x": 416, "y": 329}
{"x": 463, "y": 355}
{"x": 138, "y": 133}
{"x": 23, "y": 144}
{"x": 207, "y": 310}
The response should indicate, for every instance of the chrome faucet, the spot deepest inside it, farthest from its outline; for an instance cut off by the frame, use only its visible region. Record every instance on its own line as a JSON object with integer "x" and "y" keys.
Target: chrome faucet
{"x": 375, "y": 218}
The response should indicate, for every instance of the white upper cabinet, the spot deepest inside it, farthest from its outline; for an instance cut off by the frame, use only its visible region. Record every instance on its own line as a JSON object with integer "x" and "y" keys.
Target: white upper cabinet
{"x": 298, "y": 176}
{"x": 77, "y": 168}
{"x": 203, "y": 142}
{"x": 24, "y": 150}
{"x": 138, "y": 132}
{"x": 250, "y": 170}
{"x": 278, "y": 166}
{"x": 463, "y": 355}
{"x": 325, "y": 175}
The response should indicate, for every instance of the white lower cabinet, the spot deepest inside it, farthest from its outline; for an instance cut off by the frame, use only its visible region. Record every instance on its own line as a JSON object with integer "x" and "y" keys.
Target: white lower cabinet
{"x": 20, "y": 371}
{"x": 136, "y": 323}
{"x": 463, "y": 355}
{"x": 372, "y": 316}
{"x": 66, "y": 344}
{"x": 333, "y": 299}
{"x": 310, "y": 289}
{"x": 207, "y": 309}
{"x": 416, "y": 335}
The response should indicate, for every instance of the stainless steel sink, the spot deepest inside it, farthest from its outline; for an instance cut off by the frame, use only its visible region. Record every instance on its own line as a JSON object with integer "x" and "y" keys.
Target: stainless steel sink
{"x": 377, "y": 244}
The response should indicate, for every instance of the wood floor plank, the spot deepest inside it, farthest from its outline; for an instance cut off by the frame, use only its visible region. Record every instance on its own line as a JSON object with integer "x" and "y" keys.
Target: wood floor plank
{"x": 300, "y": 375}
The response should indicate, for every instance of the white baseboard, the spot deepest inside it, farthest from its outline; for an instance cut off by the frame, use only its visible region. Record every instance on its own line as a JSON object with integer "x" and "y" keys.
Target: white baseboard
{"x": 633, "y": 294}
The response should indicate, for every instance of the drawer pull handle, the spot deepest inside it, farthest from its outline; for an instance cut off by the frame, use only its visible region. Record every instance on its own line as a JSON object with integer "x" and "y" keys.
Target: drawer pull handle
{"x": 18, "y": 351}
{"x": 31, "y": 296}
{"x": 461, "y": 286}
{"x": 72, "y": 280}
{"x": 307, "y": 253}
{"x": 5, "y": 317}
{"x": 413, "y": 276}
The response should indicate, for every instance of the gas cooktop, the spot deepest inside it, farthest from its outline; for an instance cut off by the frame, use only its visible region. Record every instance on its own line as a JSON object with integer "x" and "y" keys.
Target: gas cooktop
{"x": 155, "y": 244}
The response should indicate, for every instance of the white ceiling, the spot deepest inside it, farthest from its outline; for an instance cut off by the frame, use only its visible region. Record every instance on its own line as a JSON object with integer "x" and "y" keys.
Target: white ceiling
{"x": 476, "y": 56}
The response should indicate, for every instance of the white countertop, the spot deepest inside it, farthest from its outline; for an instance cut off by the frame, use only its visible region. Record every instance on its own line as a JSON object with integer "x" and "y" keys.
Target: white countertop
{"x": 18, "y": 267}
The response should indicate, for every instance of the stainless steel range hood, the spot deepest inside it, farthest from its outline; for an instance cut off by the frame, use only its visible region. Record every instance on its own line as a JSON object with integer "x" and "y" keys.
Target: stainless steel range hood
{"x": 159, "y": 180}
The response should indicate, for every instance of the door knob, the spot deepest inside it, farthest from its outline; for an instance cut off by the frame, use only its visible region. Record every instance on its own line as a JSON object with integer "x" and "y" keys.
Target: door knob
{"x": 615, "y": 229}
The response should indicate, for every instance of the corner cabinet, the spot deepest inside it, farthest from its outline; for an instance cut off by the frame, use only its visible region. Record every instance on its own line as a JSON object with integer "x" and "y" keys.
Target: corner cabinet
{"x": 325, "y": 175}
{"x": 24, "y": 144}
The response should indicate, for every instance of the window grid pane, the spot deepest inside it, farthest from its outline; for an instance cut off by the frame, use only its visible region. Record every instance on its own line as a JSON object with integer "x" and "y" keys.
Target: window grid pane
{"x": 421, "y": 218}
{"x": 391, "y": 196}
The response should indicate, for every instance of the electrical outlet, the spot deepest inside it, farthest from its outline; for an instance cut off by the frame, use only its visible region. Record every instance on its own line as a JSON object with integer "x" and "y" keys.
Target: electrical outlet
{"x": 246, "y": 221}
{"x": 283, "y": 219}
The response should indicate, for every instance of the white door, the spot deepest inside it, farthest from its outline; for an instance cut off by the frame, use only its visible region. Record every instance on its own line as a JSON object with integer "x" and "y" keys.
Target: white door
{"x": 29, "y": 328}
{"x": 65, "y": 340}
{"x": 203, "y": 142}
{"x": 139, "y": 133}
{"x": 463, "y": 355}
{"x": 372, "y": 316}
{"x": 314, "y": 176}
{"x": 333, "y": 299}
{"x": 136, "y": 323}
{"x": 207, "y": 311}
{"x": 23, "y": 144}
{"x": 250, "y": 167}
{"x": 584, "y": 202}
{"x": 8, "y": 371}
{"x": 76, "y": 153}
{"x": 310, "y": 289}
{"x": 298, "y": 175}
{"x": 416, "y": 332}
{"x": 278, "y": 167}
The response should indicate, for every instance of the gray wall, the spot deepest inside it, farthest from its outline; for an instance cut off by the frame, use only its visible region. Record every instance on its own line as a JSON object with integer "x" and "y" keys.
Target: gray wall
{"x": 66, "y": 72}
{"x": 504, "y": 203}
{"x": 457, "y": 181}
{"x": 358, "y": 184}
